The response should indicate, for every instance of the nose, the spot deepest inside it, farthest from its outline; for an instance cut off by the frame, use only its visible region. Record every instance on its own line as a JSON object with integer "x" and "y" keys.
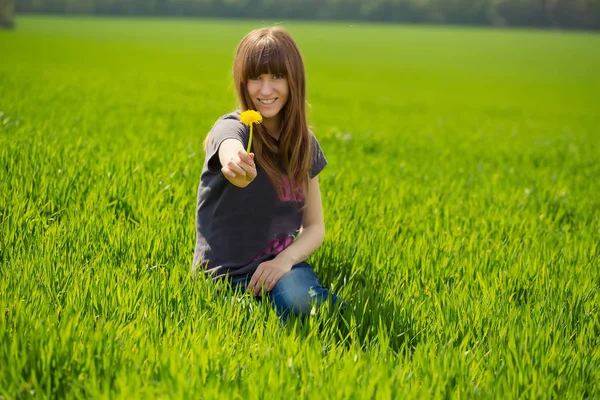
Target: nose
{"x": 266, "y": 88}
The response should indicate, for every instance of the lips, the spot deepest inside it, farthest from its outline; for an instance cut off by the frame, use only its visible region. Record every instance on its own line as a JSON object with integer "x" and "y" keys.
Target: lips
{"x": 267, "y": 102}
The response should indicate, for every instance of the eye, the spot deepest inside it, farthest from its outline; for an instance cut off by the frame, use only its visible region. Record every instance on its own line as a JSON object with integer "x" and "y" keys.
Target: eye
{"x": 254, "y": 77}
{"x": 278, "y": 76}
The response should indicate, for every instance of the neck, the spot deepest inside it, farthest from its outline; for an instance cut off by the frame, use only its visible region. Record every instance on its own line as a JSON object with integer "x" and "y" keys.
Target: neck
{"x": 273, "y": 126}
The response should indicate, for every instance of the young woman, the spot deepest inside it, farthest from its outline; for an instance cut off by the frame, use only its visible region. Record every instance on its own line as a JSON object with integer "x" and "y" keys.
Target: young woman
{"x": 259, "y": 214}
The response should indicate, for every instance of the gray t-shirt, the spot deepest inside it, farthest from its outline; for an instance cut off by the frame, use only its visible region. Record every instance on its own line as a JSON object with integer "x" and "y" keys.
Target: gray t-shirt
{"x": 238, "y": 228}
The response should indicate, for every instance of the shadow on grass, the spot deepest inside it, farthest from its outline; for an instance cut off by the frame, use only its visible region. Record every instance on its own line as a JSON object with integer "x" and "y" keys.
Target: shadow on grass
{"x": 369, "y": 320}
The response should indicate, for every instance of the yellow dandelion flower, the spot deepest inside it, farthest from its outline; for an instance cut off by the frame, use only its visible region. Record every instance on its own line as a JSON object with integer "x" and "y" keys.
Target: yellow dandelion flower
{"x": 250, "y": 117}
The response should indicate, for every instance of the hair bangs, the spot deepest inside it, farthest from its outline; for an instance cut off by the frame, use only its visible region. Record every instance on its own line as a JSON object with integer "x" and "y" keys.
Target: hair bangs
{"x": 265, "y": 58}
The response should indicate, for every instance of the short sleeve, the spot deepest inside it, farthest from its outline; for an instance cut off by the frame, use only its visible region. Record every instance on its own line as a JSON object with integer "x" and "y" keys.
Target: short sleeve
{"x": 319, "y": 161}
{"x": 224, "y": 128}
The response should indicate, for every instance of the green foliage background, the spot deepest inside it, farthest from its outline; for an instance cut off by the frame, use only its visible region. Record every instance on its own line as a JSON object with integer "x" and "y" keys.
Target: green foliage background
{"x": 461, "y": 203}
{"x": 571, "y": 14}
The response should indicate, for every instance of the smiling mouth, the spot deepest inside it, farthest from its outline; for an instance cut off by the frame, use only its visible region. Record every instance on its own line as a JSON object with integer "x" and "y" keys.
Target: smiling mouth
{"x": 267, "y": 102}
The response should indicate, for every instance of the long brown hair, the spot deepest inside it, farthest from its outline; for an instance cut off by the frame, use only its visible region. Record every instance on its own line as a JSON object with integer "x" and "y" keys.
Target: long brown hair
{"x": 274, "y": 51}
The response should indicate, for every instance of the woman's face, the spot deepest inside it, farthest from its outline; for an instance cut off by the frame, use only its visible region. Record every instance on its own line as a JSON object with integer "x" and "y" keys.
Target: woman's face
{"x": 269, "y": 93}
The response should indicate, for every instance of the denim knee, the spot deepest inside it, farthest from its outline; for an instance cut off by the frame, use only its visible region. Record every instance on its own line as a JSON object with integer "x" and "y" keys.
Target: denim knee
{"x": 299, "y": 291}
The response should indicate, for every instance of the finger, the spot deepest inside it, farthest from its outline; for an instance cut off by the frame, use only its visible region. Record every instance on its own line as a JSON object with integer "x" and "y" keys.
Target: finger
{"x": 250, "y": 287}
{"x": 264, "y": 287}
{"x": 227, "y": 172}
{"x": 250, "y": 178}
{"x": 250, "y": 175}
{"x": 254, "y": 170}
{"x": 245, "y": 157}
{"x": 263, "y": 283}
{"x": 236, "y": 168}
{"x": 248, "y": 169}
{"x": 273, "y": 281}
{"x": 267, "y": 282}
{"x": 254, "y": 279}
{"x": 260, "y": 286}
{"x": 247, "y": 161}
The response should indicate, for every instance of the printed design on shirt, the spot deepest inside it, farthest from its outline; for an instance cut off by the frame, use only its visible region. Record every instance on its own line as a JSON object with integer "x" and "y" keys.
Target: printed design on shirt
{"x": 277, "y": 245}
{"x": 286, "y": 195}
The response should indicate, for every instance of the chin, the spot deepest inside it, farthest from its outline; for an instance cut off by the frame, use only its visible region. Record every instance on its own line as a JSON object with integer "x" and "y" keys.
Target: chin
{"x": 269, "y": 113}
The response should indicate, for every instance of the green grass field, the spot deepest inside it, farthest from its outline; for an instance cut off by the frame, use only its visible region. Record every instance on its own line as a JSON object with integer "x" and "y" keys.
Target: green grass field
{"x": 461, "y": 200}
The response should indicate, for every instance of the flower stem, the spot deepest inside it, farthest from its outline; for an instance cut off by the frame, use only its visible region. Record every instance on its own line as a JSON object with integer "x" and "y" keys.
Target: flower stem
{"x": 249, "y": 140}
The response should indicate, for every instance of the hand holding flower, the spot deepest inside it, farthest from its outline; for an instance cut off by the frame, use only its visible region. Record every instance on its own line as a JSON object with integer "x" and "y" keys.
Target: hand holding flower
{"x": 240, "y": 170}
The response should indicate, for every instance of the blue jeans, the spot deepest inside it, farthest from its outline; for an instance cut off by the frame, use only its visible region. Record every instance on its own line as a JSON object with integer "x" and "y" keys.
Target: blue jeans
{"x": 296, "y": 292}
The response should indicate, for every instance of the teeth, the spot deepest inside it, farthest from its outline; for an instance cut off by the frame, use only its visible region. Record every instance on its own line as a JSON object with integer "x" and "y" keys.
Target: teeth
{"x": 267, "y": 101}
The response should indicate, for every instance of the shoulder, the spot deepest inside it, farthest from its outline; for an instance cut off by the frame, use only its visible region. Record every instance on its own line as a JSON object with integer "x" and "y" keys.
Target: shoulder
{"x": 229, "y": 123}
{"x": 319, "y": 161}
{"x": 233, "y": 115}
{"x": 314, "y": 142}
{"x": 229, "y": 118}
{"x": 312, "y": 138}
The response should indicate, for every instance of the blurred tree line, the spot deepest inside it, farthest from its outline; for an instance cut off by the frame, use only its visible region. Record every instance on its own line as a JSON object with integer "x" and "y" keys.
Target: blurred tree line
{"x": 7, "y": 9}
{"x": 571, "y": 14}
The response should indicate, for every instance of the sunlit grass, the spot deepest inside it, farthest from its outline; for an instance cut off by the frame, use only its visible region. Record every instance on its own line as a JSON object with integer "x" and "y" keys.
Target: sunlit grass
{"x": 461, "y": 201}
